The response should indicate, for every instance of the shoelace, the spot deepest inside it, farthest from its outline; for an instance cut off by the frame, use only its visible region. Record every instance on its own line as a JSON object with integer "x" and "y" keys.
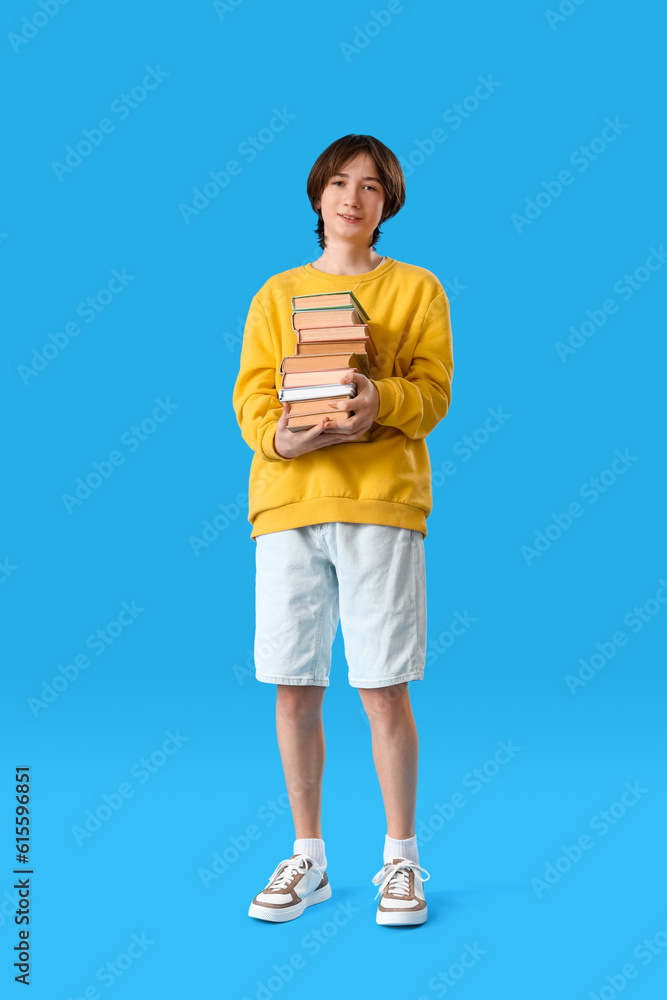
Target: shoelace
{"x": 291, "y": 867}
{"x": 396, "y": 878}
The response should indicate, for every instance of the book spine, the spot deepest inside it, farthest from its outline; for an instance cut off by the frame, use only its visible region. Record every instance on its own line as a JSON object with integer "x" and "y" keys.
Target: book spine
{"x": 360, "y": 309}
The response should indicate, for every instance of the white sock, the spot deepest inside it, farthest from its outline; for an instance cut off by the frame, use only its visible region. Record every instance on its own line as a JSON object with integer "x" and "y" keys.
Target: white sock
{"x": 400, "y": 849}
{"x": 313, "y": 847}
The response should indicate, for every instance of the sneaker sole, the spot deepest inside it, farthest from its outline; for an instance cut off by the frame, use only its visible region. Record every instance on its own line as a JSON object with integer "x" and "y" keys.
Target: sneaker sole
{"x": 280, "y": 916}
{"x": 401, "y": 917}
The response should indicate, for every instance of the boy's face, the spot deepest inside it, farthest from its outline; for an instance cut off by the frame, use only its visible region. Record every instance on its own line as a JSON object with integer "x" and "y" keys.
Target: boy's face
{"x": 352, "y": 201}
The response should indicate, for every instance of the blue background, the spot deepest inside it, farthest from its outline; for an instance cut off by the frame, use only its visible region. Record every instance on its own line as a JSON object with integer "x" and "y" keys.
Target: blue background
{"x": 173, "y": 333}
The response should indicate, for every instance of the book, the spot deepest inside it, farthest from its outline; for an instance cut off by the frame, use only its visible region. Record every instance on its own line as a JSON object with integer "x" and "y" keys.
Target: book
{"x": 307, "y": 334}
{"x": 322, "y": 362}
{"x": 328, "y": 299}
{"x": 333, "y": 338}
{"x": 317, "y": 318}
{"x": 332, "y": 347}
{"x": 310, "y": 335}
{"x": 301, "y": 406}
{"x": 359, "y": 346}
{"x": 292, "y": 379}
{"x": 334, "y": 390}
{"x": 305, "y": 421}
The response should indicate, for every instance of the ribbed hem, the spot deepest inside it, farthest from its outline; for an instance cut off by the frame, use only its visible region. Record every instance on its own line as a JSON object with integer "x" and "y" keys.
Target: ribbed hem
{"x": 343, "y": 282}
{"x": 313, "y": 847}
{"x": 301, "y": 681}
{"x": 326, "y": 509}
{"x": 388, "y": 394}
{"x": 416, "y": 675}
{"x": 268, "y": 447}
{"x": 400, "y": 849}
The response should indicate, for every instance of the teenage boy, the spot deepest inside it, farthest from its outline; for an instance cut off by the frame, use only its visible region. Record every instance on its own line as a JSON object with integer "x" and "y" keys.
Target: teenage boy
{"x": 339, "y": 524}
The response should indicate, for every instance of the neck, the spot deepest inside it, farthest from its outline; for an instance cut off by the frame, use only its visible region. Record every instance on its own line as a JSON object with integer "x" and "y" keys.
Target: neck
{"x": 347, "y": 260}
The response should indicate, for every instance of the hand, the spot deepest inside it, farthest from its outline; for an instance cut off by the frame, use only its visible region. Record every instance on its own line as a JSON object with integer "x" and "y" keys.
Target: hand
{"x": 290, "y": 444}
{"x": 365, "y": 406}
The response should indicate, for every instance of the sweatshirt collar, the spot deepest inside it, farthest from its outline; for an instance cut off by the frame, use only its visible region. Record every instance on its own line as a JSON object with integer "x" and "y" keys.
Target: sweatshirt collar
{"x": 336, "y": 279}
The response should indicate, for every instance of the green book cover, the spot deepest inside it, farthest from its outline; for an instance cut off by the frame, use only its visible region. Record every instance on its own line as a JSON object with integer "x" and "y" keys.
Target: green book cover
{"x": 360, "y": 309}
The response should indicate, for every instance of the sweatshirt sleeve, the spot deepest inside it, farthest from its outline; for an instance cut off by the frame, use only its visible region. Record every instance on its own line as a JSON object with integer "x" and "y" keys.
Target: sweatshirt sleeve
{"x": 416, "y": 403}
{"x": 255, "y": 397}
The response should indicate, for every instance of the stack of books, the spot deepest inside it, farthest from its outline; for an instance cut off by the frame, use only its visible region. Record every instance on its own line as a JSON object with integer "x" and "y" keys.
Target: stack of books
{"x": 333, "y": 337}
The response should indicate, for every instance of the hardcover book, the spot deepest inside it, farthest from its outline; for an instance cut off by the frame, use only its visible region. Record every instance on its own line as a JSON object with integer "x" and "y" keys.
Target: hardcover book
{"x": 331, "y": 316}
{"x": 333, "y": 337}
{"x": 328, "y": 299}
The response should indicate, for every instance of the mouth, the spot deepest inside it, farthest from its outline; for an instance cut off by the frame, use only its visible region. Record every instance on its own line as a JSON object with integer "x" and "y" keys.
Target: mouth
{"x": 349, "y": 218}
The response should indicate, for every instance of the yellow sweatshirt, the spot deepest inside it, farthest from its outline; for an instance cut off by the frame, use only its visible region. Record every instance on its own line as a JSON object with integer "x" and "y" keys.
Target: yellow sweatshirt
{"x": 386, "y": 480}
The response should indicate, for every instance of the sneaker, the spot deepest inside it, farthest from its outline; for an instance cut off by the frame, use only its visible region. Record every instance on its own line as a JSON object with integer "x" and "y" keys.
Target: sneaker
{"x": 296, "y": 883}
{"x": 401, "y": 893}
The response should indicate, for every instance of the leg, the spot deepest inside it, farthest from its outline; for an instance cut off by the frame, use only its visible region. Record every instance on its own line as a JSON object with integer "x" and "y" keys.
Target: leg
{"x": 395, "y": 754}
{"x": 301, "y": 741}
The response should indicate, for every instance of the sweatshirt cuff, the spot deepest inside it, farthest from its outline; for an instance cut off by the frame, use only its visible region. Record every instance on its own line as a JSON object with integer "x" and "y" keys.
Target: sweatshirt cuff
{"x": 268, "y": 447}
{"x": 388, "y": 395}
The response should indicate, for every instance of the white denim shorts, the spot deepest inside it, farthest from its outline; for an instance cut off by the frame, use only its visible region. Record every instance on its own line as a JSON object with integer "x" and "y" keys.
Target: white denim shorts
{"x": 371, "y": 576}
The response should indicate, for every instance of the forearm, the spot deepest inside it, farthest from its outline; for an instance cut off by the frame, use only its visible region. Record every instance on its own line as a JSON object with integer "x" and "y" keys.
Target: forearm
{"x": 414, "y": 406}
{"x": 416, "y": 402}
{"x": 255, "y": 396}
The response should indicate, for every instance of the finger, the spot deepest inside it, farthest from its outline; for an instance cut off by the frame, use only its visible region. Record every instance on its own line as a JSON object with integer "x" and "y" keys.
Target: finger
{"x": 337, "y": 439}
{"x": 352, "y": 434}
{"x": 339, "y": 427}
{"x": 344, "y": 433}
{"x": 354, "y": 376}
{"x": 317, "y": 428}
{"x": 326, "y": 439}
{"x": 347, "y": 424}
{"x": 332, "y": 426}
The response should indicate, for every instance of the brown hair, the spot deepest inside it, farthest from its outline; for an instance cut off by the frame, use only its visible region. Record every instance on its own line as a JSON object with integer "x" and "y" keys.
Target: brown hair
{"x": 336, "y": 155}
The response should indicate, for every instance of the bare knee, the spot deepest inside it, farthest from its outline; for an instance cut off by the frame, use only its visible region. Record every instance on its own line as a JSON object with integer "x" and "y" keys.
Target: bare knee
{"x": 300, "y": 702}
{"x": 386, "y": 705}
